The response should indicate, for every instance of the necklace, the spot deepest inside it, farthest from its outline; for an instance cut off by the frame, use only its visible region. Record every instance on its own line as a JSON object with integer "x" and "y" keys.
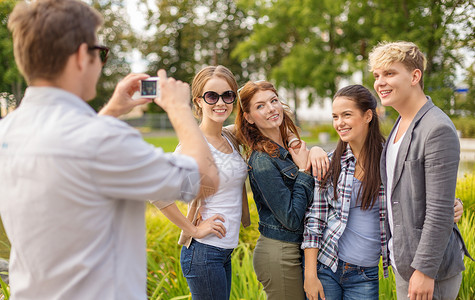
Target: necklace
{"x": 359, "y": 170}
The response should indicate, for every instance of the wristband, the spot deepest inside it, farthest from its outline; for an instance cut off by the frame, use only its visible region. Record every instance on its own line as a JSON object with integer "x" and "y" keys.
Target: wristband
{"x": 292, "y": 140}
{"x": 305, "y": 171}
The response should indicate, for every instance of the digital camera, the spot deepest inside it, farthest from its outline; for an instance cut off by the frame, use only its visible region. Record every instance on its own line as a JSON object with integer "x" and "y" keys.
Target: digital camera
{"x": 149, "y": 88}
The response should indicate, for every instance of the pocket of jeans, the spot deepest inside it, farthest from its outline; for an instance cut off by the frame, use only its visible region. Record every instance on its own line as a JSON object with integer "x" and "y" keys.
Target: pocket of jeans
{"x": 370, "y": 273}
{"x": 186, "y": 259}
{"x": 320, "y": 266}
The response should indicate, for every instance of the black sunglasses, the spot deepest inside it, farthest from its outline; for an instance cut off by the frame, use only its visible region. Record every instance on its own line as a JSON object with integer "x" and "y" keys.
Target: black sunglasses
{"x": 103, "y": 52}
{"x": 211, "y": 97}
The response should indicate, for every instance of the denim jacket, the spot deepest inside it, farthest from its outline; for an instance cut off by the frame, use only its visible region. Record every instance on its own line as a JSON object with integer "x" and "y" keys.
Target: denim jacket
{"x": 282, "y": 195}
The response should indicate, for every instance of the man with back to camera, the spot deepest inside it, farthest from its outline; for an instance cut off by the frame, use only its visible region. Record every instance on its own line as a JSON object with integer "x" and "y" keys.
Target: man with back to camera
{"x": 74, "y": 183}
{"x": 419, "y": 171}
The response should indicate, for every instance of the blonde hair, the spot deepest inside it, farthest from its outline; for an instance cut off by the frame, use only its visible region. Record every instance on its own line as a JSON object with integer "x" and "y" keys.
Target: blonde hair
{"x": 202, "y": 77}
{"x": 407, "y": 53}
{"x": 46, "y": 32}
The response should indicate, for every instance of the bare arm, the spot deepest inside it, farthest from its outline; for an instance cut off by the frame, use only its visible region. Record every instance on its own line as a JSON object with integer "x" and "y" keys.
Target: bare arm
{"x": 458, "y": 210}
{"x": 209, "y": 226}
{"x": 318, "y": 160}
{"x": 312, "y": 285}
{"x": 174, "y": 99}
{"x": 121, "y": 101}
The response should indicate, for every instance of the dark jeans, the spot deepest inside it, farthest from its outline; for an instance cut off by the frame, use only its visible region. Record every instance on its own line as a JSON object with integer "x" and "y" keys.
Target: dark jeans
{"x": 207, "y": 270}
{"x": 349, "y": 282}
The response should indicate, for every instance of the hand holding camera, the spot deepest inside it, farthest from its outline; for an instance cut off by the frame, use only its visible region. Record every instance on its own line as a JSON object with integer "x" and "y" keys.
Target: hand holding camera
{"x": 121, "y": 101}
{"x": 149, "y": 88}
{"x": 174, "y": 95}
{"x": 166, "y": 92}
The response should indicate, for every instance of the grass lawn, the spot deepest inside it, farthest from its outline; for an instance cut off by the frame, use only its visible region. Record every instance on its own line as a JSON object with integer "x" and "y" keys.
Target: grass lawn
{"x": 167, "y": 143}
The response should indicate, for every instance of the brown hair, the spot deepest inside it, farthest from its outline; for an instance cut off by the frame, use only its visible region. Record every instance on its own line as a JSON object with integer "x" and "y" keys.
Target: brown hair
{"x": 407, "y": 53}
{"x": 47, "y": 32}
{"x": 370, "y": 154}
{"x": 248, "y": 134}
{"x": 202, "y": 77}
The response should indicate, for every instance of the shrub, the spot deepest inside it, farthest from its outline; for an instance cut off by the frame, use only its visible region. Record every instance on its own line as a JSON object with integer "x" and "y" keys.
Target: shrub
{"x": 466, "y": 126}
{"x": 321, "y": 128}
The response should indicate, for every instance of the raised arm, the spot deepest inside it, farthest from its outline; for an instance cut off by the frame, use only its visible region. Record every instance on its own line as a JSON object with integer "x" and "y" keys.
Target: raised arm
{"x": 175, "y": 100}
{"x": 121, "y": 101}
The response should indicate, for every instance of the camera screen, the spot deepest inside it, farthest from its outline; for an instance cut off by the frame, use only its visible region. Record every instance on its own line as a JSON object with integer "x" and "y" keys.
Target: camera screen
{"x": 149, "y": 88}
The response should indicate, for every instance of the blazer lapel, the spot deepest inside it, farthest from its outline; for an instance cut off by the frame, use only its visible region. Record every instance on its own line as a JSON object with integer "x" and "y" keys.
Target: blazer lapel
{"x": 406, "y": 142}
{"x": 382, "y": 161}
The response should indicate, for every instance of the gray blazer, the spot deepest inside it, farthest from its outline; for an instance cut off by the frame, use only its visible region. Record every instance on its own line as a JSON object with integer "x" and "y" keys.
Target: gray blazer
{"x": 424, "y": 234}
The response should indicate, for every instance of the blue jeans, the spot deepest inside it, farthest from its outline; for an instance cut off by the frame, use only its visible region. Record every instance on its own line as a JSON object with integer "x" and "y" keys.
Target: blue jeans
{"x": 349, "y": 282}
{"x": 207, "y": 270}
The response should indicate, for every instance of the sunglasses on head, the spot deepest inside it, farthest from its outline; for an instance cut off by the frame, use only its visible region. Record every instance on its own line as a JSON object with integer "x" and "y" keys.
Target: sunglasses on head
{"x": 211, "y": 97}
{"x": 103, "y": 52}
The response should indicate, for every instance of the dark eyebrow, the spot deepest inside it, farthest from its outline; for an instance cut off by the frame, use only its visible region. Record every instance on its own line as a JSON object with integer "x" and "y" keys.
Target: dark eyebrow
{"x": 345, "y": 111}
{"x": 274, "y": 96}
{"x": 270, "y": 98}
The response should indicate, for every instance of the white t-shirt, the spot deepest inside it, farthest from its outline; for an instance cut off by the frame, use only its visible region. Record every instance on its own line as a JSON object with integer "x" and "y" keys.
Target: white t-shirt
{"x": 228, "y": 199}
{"x": 391, "y": 157}
{"x": 73, "y": 190}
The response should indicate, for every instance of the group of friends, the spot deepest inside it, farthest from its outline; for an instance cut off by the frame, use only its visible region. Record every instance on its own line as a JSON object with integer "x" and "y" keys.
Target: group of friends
{"x": 75, "y": 182}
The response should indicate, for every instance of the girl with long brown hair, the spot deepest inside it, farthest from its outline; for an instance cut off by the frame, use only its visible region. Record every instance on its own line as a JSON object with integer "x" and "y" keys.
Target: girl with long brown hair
{"x": 281, "y": 185}
{"x": 345, "y": 228}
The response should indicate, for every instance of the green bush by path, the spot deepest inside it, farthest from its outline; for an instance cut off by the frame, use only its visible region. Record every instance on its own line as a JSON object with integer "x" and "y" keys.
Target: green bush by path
{"x": 164, "y": 277}
{"x": 165, "y": 280}
{"x": 466, "y": 126}
{"x": 466, "y": 224}
{"x": 466, "y": 191}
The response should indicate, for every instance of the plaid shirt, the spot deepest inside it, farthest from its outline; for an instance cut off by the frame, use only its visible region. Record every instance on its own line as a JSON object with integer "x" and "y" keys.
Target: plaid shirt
{"x": 327, "y": 217}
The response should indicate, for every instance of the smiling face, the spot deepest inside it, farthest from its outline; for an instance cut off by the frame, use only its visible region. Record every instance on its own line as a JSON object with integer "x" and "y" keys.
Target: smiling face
{"x": 350, "y": 122}
{"x": 219, "y": 111}
{"x": 395, "y": 84}
{"x": 265, "y": 111}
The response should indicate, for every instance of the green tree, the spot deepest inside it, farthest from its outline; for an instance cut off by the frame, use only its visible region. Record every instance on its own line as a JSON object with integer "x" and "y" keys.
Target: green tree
{"x": 314, "y": 44}
{"x": 12, "y": 83}
{"x": 117, "y": 34}
{"x": 435, "y": 26}
{"x": 190, "y": 34}
{"x": 466, "y": 101}
{"x": 172, "y": 44}
{"x": 300, "y": 43}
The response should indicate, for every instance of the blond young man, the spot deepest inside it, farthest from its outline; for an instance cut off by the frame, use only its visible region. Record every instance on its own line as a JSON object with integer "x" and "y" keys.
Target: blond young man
{"x": 419, "y": 171}
{"x": 74, "y": 183}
